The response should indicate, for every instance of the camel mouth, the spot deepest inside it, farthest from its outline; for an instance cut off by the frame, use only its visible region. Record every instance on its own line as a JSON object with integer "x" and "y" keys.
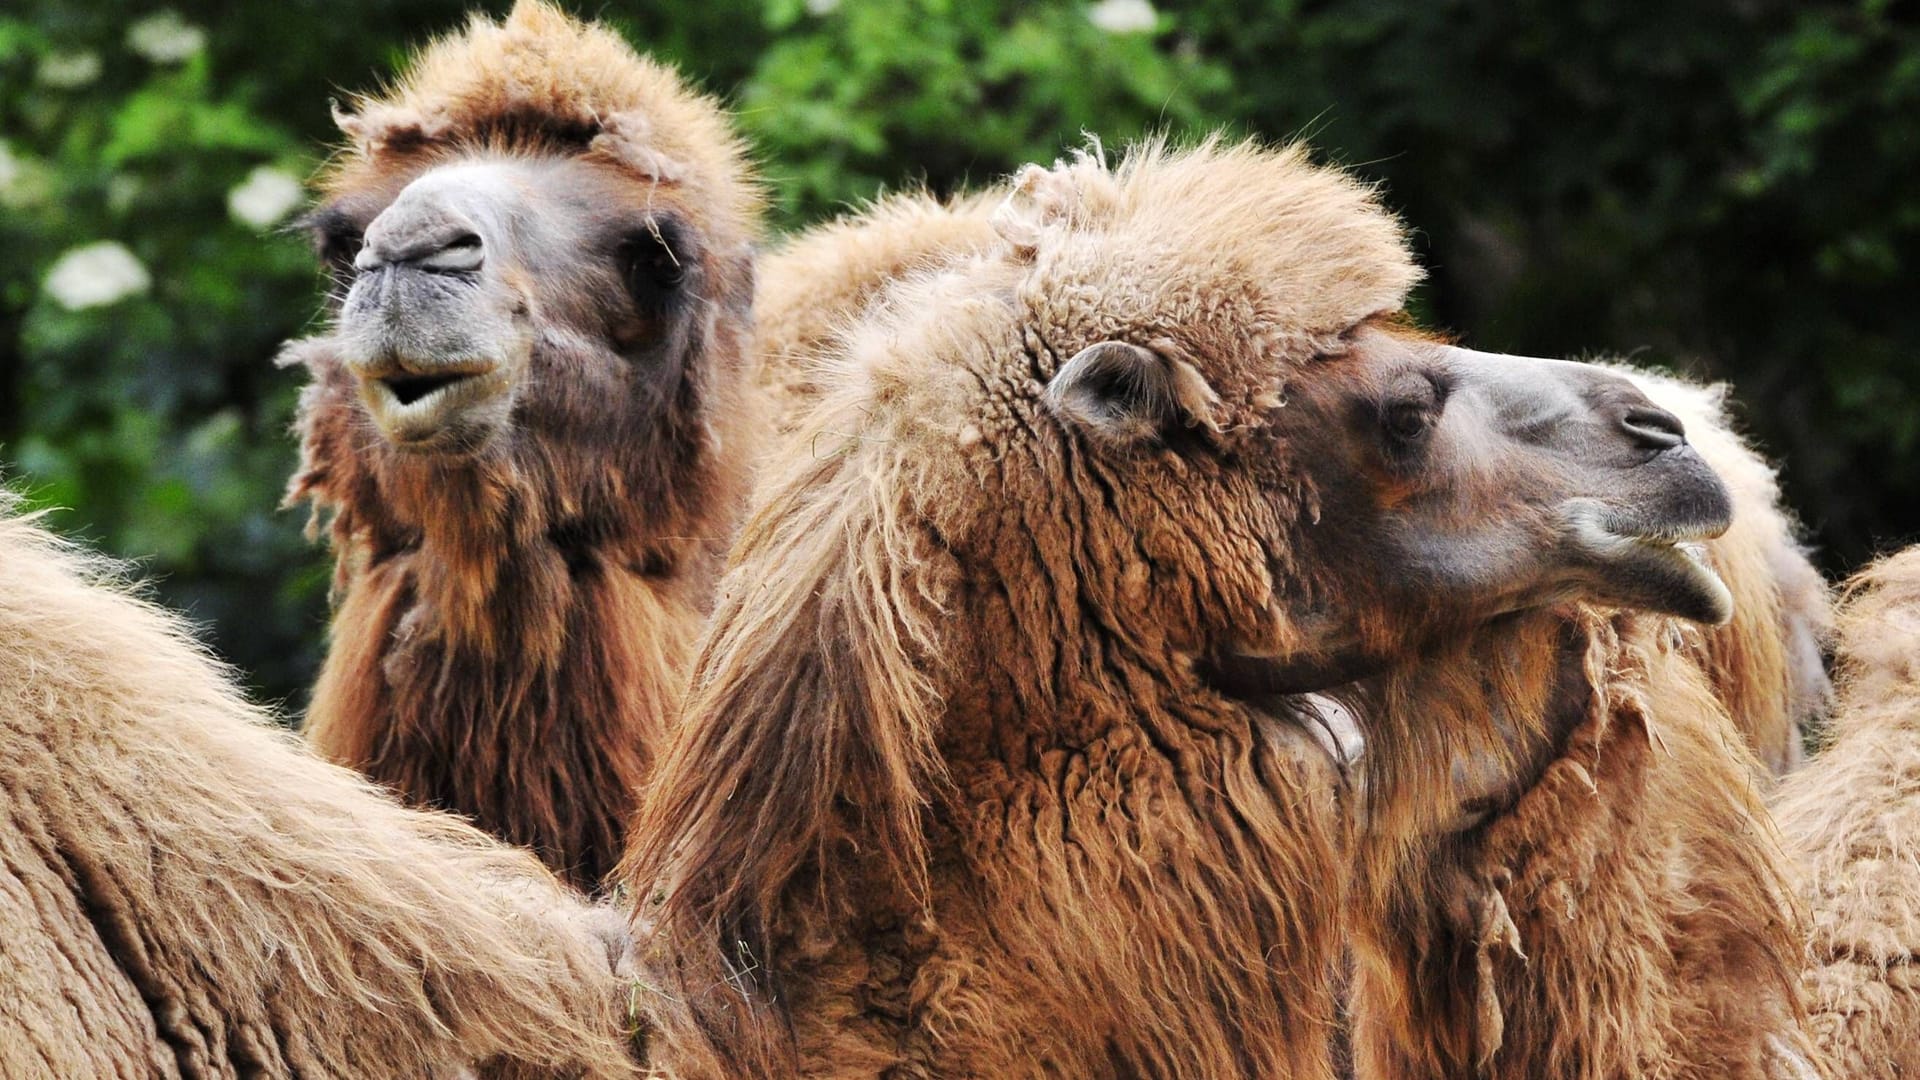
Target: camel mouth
{"x": 408, "y": 388}
{"x": 1659, "y": 566}
{"x": 426, "y": 407}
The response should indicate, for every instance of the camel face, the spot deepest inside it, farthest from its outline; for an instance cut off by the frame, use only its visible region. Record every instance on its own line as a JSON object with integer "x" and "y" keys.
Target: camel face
{"x": 529, "y": 422}
{"x": 1450, "y": 488}
{"x": 1505, "y": 483}
{"x": 510, "y": 293}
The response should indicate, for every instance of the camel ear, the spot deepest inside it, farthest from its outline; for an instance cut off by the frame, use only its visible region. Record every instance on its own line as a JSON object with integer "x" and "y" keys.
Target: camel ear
{"x": 1128, "y": 394}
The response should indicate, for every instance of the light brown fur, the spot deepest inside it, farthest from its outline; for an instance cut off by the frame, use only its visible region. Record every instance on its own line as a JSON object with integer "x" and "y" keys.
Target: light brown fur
{"x": 1851, "y": 819}
{"x": 514, "y": 621}
{"x": 946, "y": 801}
{"x": 186, "y": 891}
{"x": 1763, "y": 666}
{"x": 1627, "y": 914}
{"x": 815, "y": 286}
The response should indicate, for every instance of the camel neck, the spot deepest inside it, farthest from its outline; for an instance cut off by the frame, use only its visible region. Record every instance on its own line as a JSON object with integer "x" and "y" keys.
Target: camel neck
{"x": 533, "y": 706}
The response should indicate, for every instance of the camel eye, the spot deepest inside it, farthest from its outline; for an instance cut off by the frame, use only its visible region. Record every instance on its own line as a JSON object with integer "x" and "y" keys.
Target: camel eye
{"x": 1409, "y": 421}
{"x": 651, "y": 267}
{"x": 1408, "y": 418}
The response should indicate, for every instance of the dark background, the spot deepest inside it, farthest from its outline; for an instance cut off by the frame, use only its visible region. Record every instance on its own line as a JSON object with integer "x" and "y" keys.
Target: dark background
{"x": 1728, "y": 189}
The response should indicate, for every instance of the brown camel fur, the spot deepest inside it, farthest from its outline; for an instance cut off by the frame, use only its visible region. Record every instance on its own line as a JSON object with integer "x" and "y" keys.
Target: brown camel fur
{"x": 1614, "y": 905}
{"x": 530, "y": 422}
{"x": 1763, "y": 665}
{"x": 1851, "y": 819}
{"x": 1766, "y": 662}
{"x": 187, "y": 891}
{"x": 981, "y": 771}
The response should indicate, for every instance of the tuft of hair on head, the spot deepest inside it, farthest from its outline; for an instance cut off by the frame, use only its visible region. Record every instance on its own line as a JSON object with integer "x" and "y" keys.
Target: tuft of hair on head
{"x": 542, "y": 80}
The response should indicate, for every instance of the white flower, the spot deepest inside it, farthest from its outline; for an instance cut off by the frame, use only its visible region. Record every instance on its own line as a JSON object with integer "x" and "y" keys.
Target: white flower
{"x": 266, "y": 196}
{"x": 23, "y": 181}
{"x": 96, "y": 275}
{"x": 1124, "y": 16}
{"x": 822, "y": 7}
{"x": 165, "y": 38}
{"x": 69, "y": 71}
{"x": 122, "y": 189}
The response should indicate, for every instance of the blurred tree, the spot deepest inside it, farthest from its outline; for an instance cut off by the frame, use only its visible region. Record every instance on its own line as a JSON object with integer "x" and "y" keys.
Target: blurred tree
{"x": 1724, "y": 189}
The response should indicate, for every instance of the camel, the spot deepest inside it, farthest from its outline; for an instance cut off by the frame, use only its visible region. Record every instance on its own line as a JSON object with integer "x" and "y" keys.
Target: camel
{"x": 992, "y": 761}
{"x": 1598, "y": 893}
{"x": 185, "y": 890}
{"x": 1766, "y": 663}
{"x": 1849, "y": 819}
{"x": 530, "y": 423}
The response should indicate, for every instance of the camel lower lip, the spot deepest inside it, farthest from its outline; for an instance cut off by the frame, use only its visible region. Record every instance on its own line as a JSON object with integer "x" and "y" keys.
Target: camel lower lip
{"x": 1685, "y": 566}
{"x": 428, "y": 409}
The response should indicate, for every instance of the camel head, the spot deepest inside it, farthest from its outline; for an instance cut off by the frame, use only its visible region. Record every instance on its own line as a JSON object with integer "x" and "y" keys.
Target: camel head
{"x": 1454, "y": 487}
{"x": 1420, "y": 490}
{"x": 496, "y": 291}
{"x": 541, "y": 247}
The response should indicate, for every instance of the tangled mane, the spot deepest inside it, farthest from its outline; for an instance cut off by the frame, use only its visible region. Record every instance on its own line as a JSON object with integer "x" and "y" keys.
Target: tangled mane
{"x": 1625, "y": 914}
{"x": 513, "y": 624}
{"x": 886, "y": 838}
{"x": 184, "y": 890}
{"x": 542, "y": 82}
{"x": 1851, "y": 819}
{"x": 821, "y": 753}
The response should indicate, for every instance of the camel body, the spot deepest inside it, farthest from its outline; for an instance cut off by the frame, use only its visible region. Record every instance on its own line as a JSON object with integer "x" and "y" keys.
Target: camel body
{"x": 529, "y": 425}
{"x": 186, "y": 891}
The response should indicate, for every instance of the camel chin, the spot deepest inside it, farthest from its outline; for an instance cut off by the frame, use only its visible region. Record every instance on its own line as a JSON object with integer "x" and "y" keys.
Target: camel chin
{"x": 437, "y": 407}
{"x": 1659, "y": 566}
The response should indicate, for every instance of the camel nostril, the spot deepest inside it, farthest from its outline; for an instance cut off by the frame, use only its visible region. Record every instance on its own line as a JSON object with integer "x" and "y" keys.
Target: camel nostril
{"x": 1653, "y": 427}
{"x": 459, "y": 252}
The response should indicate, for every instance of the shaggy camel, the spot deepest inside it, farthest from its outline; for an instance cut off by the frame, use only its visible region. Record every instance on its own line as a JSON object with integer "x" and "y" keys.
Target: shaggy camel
{"x": 1766, "y": 662}
{"x": 1594, "y": 891}
{"x": 989, "y": 764}
{"x": 1851, "y": 819}
{"x": 1764, "y": 665}
{"x": 529, "y": 421}
{"x": 186, "y": 891}
{"x": 1549, "y": 928}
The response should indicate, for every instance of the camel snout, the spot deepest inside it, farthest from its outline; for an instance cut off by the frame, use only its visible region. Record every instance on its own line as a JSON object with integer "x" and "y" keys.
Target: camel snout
{"x": 431, "y": 227}
{"x": 1653, "y": 427}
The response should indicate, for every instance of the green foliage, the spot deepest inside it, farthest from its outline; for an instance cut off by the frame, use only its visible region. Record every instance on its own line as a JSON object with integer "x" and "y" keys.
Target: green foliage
{"x": 878, "y": 94}
{"x": 1721, "y": 188}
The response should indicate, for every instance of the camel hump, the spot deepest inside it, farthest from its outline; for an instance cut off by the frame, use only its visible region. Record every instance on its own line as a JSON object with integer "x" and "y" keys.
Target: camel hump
{"x": 1877, "y": 641}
